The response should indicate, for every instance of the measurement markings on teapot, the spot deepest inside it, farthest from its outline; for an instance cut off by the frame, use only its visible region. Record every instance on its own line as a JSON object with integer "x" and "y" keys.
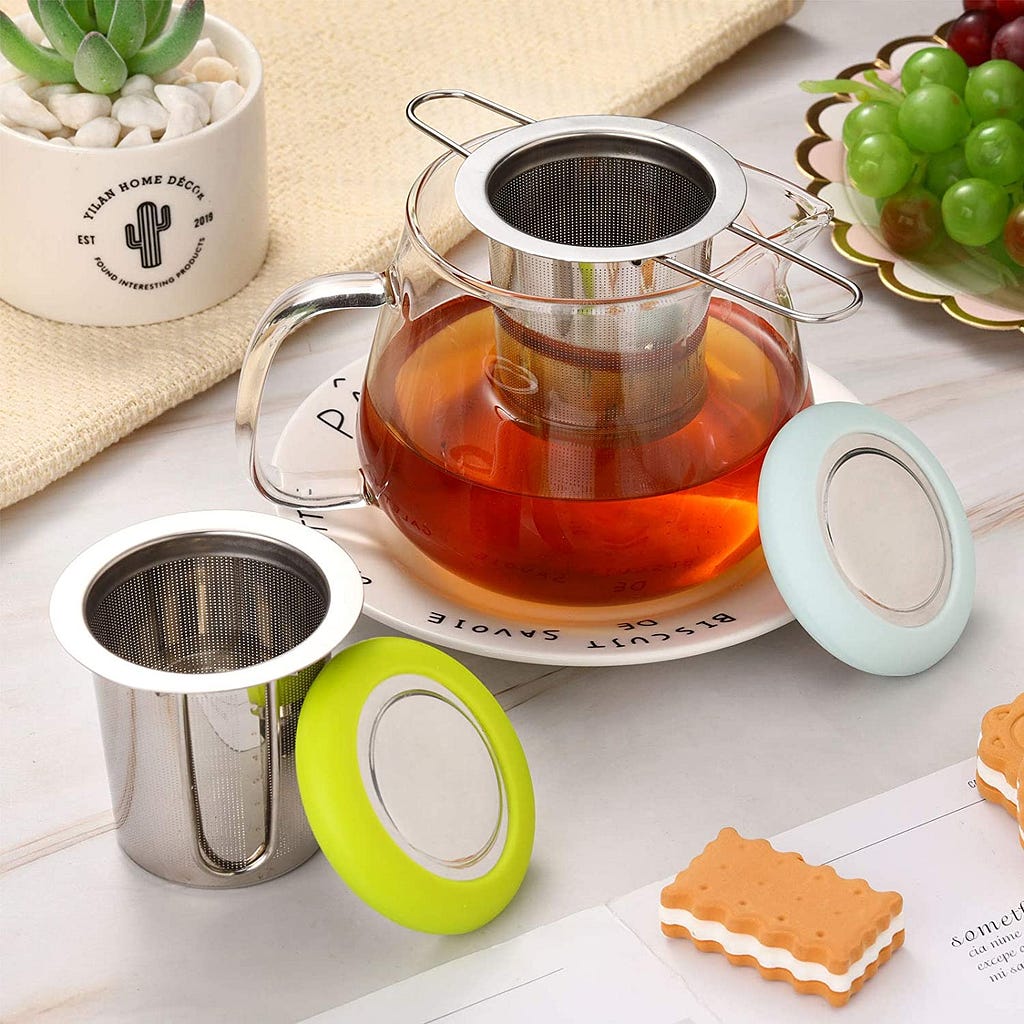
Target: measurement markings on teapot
{"x": 665, "y": 633}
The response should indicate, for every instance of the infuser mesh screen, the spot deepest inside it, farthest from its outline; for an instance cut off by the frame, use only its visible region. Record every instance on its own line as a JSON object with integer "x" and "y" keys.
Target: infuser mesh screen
{"x": 206, "y": 611}
{"x": 602, "y": 200}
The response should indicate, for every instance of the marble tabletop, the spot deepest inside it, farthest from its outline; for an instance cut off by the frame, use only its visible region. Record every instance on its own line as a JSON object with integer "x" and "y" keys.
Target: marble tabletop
{"x": 634, "y": 767}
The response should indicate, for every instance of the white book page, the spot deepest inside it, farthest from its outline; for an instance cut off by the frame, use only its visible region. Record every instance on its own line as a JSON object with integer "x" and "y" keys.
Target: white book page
{"x": 587, "y": 967}
{"x": 958, "y": 863}
{"x": 954, "y": 856}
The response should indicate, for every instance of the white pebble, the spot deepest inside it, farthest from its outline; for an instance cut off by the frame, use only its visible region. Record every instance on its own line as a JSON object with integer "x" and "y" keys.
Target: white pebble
{"x": 30, "y": 27}
{"x": 59, "y": 140}
{"x": 27, "y": 84}
{"x": 186, "y": 79}
{"x": 44, "y": 93}
{"x": 229, "y": 95}
{"x": 63, "y": 133}
{"x": 8, "y": 72}
{"x": 169, "y": 77}
{"x": 101, "y": 133}
{"x": 138, "y": 111}
{"x": 79, "y": 108}
{"x": 204, "y": 48}
{"x": 183, "y": 121}
{"x": 136, "y": 137}
{"x": 175, "y": 96}
{"x": 205, "y": 89}
{"x": 19, "y": 108}
{"x": 137, "y": 84}
{"x": 214, "y": 69}
{"x": 32, "y": 133}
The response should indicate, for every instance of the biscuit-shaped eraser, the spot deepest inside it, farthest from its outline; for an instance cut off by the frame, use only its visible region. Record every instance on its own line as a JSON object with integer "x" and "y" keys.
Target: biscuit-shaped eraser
{"x": 793, "y": 921}
{"x": 1000, "y": 752}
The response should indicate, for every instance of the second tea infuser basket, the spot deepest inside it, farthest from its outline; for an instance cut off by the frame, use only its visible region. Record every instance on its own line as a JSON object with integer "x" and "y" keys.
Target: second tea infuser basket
{"x": 204, "y": 631}
{"x": 591, "y": 209}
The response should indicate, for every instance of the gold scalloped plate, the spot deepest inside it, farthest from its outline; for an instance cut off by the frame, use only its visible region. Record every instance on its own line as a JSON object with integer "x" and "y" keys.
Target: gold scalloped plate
{"x": 820, "y": 158}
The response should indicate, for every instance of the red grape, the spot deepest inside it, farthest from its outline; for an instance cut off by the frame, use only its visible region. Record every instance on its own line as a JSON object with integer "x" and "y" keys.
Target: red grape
{"x": 1013, "y": 234}
{"x": 1010, "y": 9}
{"x": 1008, "y": 42}
{"x": 911, "y": 221}
{"x": 988, "y": 6}
{"x": 971, "y": 36}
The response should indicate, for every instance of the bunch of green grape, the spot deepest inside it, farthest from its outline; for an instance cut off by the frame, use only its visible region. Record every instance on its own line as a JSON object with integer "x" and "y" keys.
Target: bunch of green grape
{"x": 944, "y": 155}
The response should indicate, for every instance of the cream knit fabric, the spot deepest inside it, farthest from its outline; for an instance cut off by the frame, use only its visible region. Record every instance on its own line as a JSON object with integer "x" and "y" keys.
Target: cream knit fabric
{"x": 339, "y": 172}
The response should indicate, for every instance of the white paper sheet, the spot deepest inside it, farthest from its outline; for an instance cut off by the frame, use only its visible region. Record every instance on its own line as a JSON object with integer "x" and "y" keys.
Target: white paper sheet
{"x": 954, "y": 857}
{"x": 587, "y": 967}
{"x": 957, "y": 862}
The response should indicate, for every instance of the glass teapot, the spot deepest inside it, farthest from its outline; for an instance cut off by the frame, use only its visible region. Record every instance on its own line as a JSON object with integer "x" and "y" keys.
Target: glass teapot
{"x": 579, "y": 414}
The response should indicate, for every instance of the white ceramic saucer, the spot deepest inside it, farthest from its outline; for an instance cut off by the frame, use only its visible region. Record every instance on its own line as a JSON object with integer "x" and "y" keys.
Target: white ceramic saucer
{"x": 406, "y": 590}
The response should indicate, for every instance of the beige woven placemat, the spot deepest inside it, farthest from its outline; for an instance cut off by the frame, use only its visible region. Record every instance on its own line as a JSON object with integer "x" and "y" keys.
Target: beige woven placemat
{"x": 342, "y": 156}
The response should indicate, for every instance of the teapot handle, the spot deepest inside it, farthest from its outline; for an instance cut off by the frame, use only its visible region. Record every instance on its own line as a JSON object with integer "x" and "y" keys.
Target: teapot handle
{"x": 285, "y": 315}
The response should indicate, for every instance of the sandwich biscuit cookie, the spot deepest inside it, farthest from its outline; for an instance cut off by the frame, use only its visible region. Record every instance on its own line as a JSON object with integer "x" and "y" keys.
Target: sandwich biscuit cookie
{"x": 1000, "y": 752}
{"x": 1020, "y": 804}
{"x": 793, "y": 921}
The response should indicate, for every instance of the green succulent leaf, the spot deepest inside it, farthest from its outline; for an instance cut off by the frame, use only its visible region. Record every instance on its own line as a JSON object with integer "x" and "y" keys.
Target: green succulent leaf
{"x": 127, "y": 27}
{"x": 174, "y": 46}
{"x": 38, "y": 61}
{"x": 98, "y": 66}
{"x": 81, "y": 11}
{"x": 104, "y": 12}
{"x": 157, "y": 13}
{"x": 61, "y": 29}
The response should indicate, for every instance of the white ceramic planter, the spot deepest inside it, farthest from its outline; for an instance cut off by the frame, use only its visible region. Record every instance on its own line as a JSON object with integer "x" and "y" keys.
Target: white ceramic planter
{"x": 114, "y": 237}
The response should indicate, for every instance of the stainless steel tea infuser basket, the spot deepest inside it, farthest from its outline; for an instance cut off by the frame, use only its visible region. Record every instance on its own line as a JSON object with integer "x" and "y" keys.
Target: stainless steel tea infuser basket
{"x": 596, "y": 207}
{"x": 203, "y": 632}
{"x": 573, "y": 207}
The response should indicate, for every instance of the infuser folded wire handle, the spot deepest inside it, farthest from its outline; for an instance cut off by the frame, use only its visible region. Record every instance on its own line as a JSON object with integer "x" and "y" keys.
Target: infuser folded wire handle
{"x": 460, "y": 94}
{"x": 203, "y": 852}
{"x": 801, "y": 316}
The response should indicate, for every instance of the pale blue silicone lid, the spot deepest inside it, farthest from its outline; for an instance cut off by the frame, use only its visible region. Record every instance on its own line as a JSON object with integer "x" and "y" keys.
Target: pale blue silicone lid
{"x": 800, "y": 554}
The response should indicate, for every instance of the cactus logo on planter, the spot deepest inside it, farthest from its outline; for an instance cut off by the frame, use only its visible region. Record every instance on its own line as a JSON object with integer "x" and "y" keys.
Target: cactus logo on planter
{"x": 144, "y": 234}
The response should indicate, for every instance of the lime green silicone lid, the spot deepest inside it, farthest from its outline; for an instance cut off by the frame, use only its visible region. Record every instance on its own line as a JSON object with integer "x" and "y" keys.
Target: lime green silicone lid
{"x": 334, "y": 762}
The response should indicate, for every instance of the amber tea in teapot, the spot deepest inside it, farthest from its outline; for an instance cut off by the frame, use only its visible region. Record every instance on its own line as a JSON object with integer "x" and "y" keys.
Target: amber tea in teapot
{"x": 550, "y": 519}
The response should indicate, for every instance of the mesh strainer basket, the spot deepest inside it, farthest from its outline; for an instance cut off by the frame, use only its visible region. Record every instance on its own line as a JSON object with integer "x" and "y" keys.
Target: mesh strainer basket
{"x": 204, "y": 631}
{"x": 596, "y": 208}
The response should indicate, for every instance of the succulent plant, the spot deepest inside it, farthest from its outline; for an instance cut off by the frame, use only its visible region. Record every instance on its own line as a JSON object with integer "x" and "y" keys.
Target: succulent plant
{"x": 99, "y": 43}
